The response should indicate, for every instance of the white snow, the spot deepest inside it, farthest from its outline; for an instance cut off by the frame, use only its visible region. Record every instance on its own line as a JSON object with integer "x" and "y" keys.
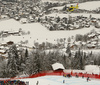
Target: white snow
{"x": 92, "y": 5}
{"x": 56, "y": 66}
{"x": 23, "y": 20}
{"x": 54, "y": 1}
{"x": 92, "y": 69}
{"x": 74, "y": 71}
{"x": 38, "y": 33}
{"x": 58, "y": 8}
{"x": 58, "y": 80}
{"x": 89, "y": 5}
{"x": 2, "y": 51}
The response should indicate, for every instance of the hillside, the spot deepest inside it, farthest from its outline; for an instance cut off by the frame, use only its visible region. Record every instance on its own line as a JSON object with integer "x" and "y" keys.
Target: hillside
{"x": 37, "y": 31}
{"x": 35, "y": 37}
{"x": 85, "y": 5}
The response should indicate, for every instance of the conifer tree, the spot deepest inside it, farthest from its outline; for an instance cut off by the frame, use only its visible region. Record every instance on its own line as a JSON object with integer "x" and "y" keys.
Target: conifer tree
{"x": 13, "y": 61}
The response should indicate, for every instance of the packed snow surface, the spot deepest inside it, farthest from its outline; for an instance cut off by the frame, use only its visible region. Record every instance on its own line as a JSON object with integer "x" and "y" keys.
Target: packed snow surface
{"x": 58, "y": 80}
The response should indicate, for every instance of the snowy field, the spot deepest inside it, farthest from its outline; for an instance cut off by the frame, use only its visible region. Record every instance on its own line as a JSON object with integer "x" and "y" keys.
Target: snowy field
{"x": 90, "y": 5}
{"x": 86, "y": 5}
{"x": 58, "y": 80}
{"x": 38, "y": 33}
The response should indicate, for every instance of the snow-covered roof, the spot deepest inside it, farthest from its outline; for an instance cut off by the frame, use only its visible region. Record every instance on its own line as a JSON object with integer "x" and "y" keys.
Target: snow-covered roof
{"x": 57, "y": 66}
{"x": 1, "y": 47}
{"x": 78, "y": 42}
{"x": 94, "y": 42}
{"x": 91, "y": 45}
{"x": 5, "y": 55}
{"x": 3, "y": 16}
{"x": 98, "y": 32}
{"x": 92, "y": 69}
{"x": 13, "y": 31}
{"x": 2, "y": 51}
{"x": 23, "y": 20}
{"x": 91, "y": 35}
{"x": 3, "y": 42}
{"x": 84, "y": 43}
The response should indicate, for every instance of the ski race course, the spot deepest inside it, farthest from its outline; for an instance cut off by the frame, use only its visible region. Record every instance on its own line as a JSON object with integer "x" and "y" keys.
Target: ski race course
{"x": 57, "y": 78}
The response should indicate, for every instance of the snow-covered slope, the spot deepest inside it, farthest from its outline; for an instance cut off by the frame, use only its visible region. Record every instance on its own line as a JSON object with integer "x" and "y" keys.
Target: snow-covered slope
{"x": 38, "y": 33}
{"x": 89, "y": 5}
{"x": 92, "y": 5}
{"x": 58, "y": 80}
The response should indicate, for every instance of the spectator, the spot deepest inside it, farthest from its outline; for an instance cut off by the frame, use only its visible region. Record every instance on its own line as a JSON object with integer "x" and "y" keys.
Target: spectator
{"x": 37, "y": 83}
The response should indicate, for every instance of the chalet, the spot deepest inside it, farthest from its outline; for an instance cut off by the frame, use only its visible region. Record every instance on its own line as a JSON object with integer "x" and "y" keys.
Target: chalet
{"x": 84, "y": 45}
{"x": 61, "y": 28}
{"x": 88, "y": 42}
{"x": 5, "y": 31}
{"x": 57, "y": 67}
{"x": 17, "y": 18}
{"x": 73, "y": 46}
{"x": 64, "y": 19}
{"x": 23, "y": 20}
{"x": 71, "y": 27}
{"x": 94, "y": 43}
{"x": 4, "y": 16}
{"x": 4, "y": 56}
{"x": 93, "y": 22}
{"x": 10, "y": 43}
{"x": 92, "y": 35}
{"x": 2, "y": 47}
{"x": 31, "y": 19}
{"x": 91, "y": 46}
{"x": 13, "y": 33}
{"x": 78, "y": 43}
{"x": 87, "y": 25}
{"x": 2, "y": 51}
{"x": 4, "y": 34}
{"x": 76, "y": 26}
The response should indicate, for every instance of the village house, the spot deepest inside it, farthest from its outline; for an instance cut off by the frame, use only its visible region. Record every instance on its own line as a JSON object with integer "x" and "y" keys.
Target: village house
{"x": 10, "y": 43}
{"x": 2, "y": 51}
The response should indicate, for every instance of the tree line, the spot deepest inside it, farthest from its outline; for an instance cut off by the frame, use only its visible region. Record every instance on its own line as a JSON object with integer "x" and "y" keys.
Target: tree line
{"x": 35, "y": 61}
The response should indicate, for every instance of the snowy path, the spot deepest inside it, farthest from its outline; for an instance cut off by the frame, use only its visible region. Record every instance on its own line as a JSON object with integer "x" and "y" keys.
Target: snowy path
{"x": 58, "y": 80}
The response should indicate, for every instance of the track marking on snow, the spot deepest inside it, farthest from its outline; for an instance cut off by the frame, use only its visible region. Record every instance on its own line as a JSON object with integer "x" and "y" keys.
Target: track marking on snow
{"x": 58, "y": 80}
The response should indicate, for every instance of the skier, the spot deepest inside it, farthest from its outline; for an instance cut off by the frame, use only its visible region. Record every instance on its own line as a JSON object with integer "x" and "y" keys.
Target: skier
{"x": 63, "y": 81}
{"x": 88, "y": 79}
{"x": 37, "y": 83}
{"x": 77, "y": 76}
{"x": 83, "y": 76}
